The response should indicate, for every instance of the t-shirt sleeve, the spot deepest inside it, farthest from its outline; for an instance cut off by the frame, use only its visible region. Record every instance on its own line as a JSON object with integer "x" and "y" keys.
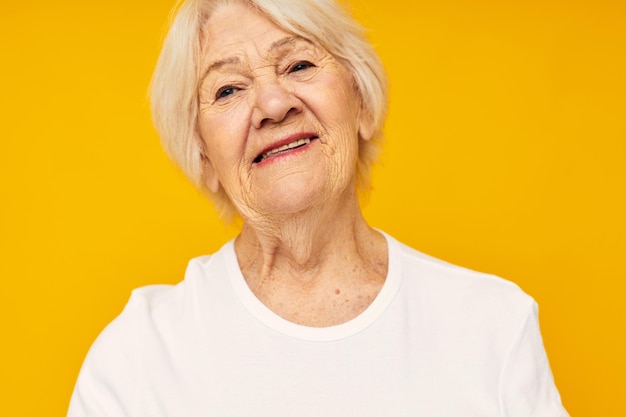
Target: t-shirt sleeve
{"x": 527, "y": 387}
{"x": 106, "y": 382}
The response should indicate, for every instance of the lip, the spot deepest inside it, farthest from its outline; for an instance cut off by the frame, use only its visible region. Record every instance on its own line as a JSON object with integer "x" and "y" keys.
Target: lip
{"x": 285, "y": 141}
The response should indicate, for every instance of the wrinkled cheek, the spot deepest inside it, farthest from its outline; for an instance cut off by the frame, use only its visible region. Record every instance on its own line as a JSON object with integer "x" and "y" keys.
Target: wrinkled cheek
{"x": 239, "y": 188}
{"x": 346, "y": 150}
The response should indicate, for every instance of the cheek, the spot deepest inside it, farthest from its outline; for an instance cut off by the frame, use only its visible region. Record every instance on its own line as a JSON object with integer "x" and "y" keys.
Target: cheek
{"x": 224, "y": 136}
{"x": 343, "y": 98}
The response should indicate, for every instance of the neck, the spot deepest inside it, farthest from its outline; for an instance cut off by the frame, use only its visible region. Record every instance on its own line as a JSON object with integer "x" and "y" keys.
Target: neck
{"x": 303, "y": 248}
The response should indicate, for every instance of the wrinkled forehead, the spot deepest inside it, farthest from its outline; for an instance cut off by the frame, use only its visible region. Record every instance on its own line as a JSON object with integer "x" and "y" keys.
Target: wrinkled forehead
{"x": 236, "y": 25}
{"x": 266, "y": 54}
{"x": 237, "y": 33}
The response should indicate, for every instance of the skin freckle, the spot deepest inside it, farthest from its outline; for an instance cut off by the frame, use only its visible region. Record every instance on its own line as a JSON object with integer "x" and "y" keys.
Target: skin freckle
{"x": 337, "y": 291}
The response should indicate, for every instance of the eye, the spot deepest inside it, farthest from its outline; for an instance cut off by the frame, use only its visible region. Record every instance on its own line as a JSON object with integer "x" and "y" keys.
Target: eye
{"x": 225, "y": 91}
{"x": 300, "y": 66}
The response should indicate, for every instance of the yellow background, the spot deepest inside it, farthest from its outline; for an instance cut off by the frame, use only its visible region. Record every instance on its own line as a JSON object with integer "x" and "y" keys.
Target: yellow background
{"x": 505, "y": 153}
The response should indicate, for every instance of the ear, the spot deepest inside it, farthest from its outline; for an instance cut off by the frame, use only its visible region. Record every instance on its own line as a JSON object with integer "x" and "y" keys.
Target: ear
{"x": 366, "y": 124}
{"x": 209, "y": 174}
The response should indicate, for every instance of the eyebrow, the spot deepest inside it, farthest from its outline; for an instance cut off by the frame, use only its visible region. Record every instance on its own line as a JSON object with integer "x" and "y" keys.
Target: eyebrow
{"x": 289, "y": 40}
{"x": 220, "y": 63}
{"x": 275, "y": 46}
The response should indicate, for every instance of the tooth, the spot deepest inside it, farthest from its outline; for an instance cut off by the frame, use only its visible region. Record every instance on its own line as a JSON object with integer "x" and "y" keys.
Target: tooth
{"x": 293, "y": 144}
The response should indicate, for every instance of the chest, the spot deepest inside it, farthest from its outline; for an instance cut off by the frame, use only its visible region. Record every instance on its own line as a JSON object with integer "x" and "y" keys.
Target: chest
{"x": 382, "y": 374}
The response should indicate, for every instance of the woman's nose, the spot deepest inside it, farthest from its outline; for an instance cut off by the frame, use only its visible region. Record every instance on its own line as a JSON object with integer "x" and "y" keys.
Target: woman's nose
{"x": 274, "y": 103}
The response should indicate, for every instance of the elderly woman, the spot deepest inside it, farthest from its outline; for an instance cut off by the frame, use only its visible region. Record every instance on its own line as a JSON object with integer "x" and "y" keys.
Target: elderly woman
{"x": 274, "y": 108}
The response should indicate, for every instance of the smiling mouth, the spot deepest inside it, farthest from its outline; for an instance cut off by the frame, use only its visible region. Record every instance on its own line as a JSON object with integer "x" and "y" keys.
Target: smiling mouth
{"x": 283, "y": 149}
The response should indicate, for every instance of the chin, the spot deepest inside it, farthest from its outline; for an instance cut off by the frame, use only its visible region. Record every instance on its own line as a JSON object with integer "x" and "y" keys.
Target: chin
{"x": 291, "y": 197}
{"x": 292, "y": 202}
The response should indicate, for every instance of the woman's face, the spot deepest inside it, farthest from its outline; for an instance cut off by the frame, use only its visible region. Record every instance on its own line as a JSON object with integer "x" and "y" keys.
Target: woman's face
{"x": 279, "y": 116}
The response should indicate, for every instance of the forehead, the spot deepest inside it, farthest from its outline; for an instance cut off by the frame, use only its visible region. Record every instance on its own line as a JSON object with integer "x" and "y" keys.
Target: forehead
{"x": 236, "y": 28}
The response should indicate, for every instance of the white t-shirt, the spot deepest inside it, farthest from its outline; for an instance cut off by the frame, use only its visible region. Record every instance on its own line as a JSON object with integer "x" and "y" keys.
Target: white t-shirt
{"x": 438, "y": 340}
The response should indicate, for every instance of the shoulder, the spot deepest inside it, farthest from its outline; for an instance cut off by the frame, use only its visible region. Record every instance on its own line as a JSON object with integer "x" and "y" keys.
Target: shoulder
{"x": 147, "y": 307}
{"x": 162, "y": 300}
{"x": 449, "y": 287}
{"x": 158, "y": 296}
{"x": 108, "y": 376}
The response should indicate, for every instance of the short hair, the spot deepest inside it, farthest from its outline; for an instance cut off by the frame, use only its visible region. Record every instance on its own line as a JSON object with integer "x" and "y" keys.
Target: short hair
{"x": 175, "y": 82}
